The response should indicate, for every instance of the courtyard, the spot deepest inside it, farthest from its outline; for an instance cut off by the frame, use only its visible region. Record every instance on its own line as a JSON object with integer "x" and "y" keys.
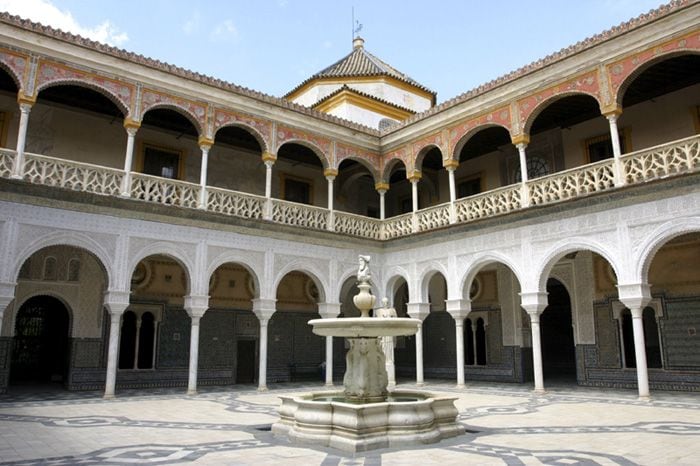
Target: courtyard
{"x": 504, "y": 424}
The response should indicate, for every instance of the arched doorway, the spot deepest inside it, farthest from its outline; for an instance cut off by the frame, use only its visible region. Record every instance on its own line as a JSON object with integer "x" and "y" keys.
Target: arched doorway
{"x": 40, "y": 350}
{"x": 558, "y": 350}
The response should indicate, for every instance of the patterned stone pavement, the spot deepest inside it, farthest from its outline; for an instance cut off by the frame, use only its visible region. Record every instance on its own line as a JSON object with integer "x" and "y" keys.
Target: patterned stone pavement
{"x": 504, "y": 425}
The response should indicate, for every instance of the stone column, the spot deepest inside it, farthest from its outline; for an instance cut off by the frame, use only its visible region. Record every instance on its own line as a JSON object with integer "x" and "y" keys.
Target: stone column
{"x": 451, "y": 165}
{"x": 136, "y": 343}
{"x": 269, "y": 160}
{"x": 330, "y": 174}
{"x": 534, "y": 304}
{"x": 636, "y": 297}
{"x": 474, "y": 326}
{"x": 414, "y": 178}
{"x": 382, "y": 189}
{"x": 195, "y": 306}
{"x": 25, "y": 106}
{"x": 618, "y": 172}
{"x": 329, "y": 311}
{"x": 116, "y": 303}
{"x": 459, "y": 309}
{"x": 131, "y": 128}
{"x": 263, "y": 310}
{"x": 419, "y": 311}
{"x": 205, "y": 145}
{"x": 622, "y": 342}
{"x": 521, "y": 141}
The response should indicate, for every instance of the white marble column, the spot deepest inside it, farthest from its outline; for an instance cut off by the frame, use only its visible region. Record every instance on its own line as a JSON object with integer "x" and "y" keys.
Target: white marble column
{"x": 269, "y": 160}
{"x": 263, "y": 310}
{"x": 382, "y": 189}
{"x": 618, "y": 171}
{"x": 473, "y": 325}
{"x": 24, "y": 108}
{"x": 534, "y": 304}
{"x": 116, "y": 303}
{"x": 204, "y": 145}
{"x": 622, "y": 341}
{"x": 136, "y": 342}
{"x": 419, "y": 311}
{"x": 521, "y": 141}
{"x": 459, "y": 309}
{"x": 636, "y": 297}
{"x": 414, "y": 179}
{"x": 131, "y": 128}
{"x": 195, "y": 306}
{"x": 451, "y": 165}
{"x": 329, "y": 311}
{"x": 330, "y": 174}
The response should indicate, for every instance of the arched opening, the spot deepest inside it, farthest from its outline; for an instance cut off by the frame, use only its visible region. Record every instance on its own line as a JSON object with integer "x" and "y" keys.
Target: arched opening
{"x": 433, "y": 187}
{"x": 405, "y": 347}
{"x": 558, "y": 349}
{"x": 295, "y": 353}
{"x": 439, "y": 357}
{"x": 559, "y": 132}
{"x": 41, "y": 350}
{"x": 229, "y": 327}
{"x": 399, "y": 198}
{"x": 8, "y": 100}
{"x": 234, "y": 161}
{"x": 168, "y": 147}
{"x": 300, "y": 177}
{"x": 77, "y": 123}
{"x": 480, "y": 158}
{"x": 155, "y": 327}
{"x": 75, "y": 279}
{"x": 660, "y": 103}
{"x": 354, "y": 188}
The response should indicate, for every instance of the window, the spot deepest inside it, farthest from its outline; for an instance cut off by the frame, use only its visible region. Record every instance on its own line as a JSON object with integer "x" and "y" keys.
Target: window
{"x": 600, "y": 147}
{"x": 50, "y": 272}
{"x": 161, "y": 162}
{"x": 74, "y": 270}
{"x": 297, "y": 190}
{"x": 536, "y": 167}
{"x": 468, "y": 187}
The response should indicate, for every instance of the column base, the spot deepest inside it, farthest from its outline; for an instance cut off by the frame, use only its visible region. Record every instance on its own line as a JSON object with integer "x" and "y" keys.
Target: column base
{"x": 262, "y": 388}
{"x": 329, "y": 384}
{"x": 420, "y": 384}
{"x": 108, "y": 396}
{"x": 16, "y": 177}
{"x": 460, "y": 385}
{"x": 539, "y": 391}
{"x": 191, "y": 392}
{"x": 646, "y": 398}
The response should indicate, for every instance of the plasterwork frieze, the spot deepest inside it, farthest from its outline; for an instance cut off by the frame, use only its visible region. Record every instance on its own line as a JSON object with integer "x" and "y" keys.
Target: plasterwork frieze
{"x": 262, "y": 128}
{"x": 17, "y": 63}
{"x": 499, "y": 117}
{"x": 287, "y": 134}
{"x": 196, "y": 110}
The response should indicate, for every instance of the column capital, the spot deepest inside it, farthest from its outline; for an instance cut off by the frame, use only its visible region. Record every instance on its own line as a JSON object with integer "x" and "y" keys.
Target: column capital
{"x": 418, "y": 310}
{"x": 522, "y": 138}
{"x": 450, "y": 164}
{"x": 459, "y": 309}
{"x": 328, "y": 310}
{"x": 414, "y": 176}
{"x": 116, "y": 301}
{"x": 382, "y": 186}
{"x": 196, "y": 305}
{"x": 130, "y": 123}
{"x": 634, "y": 295}
{"x": 612, "y": 110}
{"x": 330, "y": 172}
{"x": 24, "y": 99}
{"x": 264, "y": 308}
{"x": 269, "y": 157}
{"x": 533, "y": 302}
{"x": 205, "y": 142}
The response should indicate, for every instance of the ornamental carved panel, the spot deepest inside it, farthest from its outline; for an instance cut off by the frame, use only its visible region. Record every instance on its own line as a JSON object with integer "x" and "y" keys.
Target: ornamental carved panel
{"x": 499, "y": 117}
{"x": 197, "y": 111}
{"x": 16, "y": 63}
{"x": 262, "y": 129}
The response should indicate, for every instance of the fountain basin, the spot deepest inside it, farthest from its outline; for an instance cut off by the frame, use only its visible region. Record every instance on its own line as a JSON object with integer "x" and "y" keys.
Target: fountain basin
{"x": 408, "y": 418}
{"x": 362, "y": 327}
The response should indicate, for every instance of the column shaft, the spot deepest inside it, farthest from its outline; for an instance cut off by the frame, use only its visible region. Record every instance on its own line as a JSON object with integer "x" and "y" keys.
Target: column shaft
{"x": 329, "y": 361}
{"x": 262, "y": 377}
{"x": 128, "y": 160}
{"x": 537, "y": 353}
{"x": 419, "y": 357}
{"x": 382, "y": 200}
{"x": 459, "y": 338}
{"x": 618, "y": 171}
{"x": 112, "y": 353}
{"x": 640, "y": 354}
{"x": 194, "y": 356}
{"x": 18, "y": 169}
{"x": 203, "y": 177}
{"x": 473, "y": 326}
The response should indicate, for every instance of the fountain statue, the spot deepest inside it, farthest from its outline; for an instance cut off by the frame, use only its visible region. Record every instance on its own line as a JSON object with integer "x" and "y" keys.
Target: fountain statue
{"x": 366, "y": 415}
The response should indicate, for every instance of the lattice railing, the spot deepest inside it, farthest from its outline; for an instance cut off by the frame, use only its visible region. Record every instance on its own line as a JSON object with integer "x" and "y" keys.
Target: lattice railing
{"x": 568, "y": 184}
{"x": 301, "y": 215}
{"x": 357, "y": 225}
{"x": 675, "y": 158}
{"x": 496, "y": 202}
{"x": 39, "y": 169}
{"x": 235, "y": 203}
{"x": 434, "y": 217}
{"x": 398, "y": 226}
{"x": 7, "y": 161}
{"x": 164, "y": 190}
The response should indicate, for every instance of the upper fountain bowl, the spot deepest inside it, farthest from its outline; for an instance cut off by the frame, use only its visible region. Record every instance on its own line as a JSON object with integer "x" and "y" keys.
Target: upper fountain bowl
{"x": 364, "y": 327}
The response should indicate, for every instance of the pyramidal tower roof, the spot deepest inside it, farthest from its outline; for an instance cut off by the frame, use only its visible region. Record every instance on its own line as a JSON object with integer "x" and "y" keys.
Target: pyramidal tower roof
{"x": 361, "y": 63}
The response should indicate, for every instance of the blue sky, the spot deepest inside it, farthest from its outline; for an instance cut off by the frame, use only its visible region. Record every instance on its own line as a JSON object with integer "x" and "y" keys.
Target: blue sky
{"x": 273, "y": 45}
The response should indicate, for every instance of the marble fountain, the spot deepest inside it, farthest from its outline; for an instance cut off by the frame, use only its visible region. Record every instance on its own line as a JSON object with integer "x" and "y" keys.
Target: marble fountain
{"x": 366, "y": 415}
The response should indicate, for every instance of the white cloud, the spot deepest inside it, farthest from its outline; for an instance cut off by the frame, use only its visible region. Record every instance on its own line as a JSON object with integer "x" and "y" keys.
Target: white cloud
{"x": 45, "y": 12}
{"x": 282, "y": 3}
{"x": 224, "y": 31}
{"x": 192, "y": 24}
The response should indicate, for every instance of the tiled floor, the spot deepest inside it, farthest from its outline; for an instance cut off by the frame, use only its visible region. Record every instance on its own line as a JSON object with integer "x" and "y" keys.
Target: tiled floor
{"x": 504, "y": 424}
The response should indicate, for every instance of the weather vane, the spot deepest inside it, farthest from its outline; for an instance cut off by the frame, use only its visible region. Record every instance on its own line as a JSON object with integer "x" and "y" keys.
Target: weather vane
{"x": 356, "y": 25}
